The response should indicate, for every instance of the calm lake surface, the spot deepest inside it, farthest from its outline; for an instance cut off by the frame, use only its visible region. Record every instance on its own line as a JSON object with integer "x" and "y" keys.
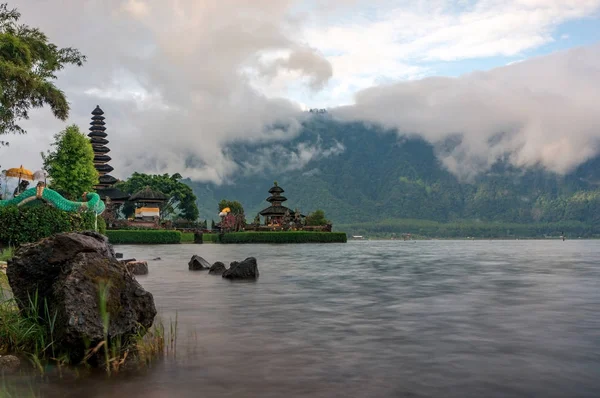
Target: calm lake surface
{"x": 374, "y": 319}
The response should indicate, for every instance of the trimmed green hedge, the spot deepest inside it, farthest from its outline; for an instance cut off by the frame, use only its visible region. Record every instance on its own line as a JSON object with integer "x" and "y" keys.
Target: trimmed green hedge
{"x": 212, "y": 238}
{"x": 133, "y": 237}
{"x": 284, "y": 237}
{"x": 27, "y": 224}
{"x": 187, "y": 237}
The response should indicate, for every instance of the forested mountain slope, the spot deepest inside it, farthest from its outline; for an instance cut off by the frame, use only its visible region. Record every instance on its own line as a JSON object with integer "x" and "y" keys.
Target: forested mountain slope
{"x": 361, "y": 174}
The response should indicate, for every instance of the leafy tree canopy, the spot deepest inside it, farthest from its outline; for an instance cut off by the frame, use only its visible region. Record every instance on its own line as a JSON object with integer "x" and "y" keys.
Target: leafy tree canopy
{"x": 317, "y": 218}
{"x": 71, "y": 164}
{"x": 28, "y": 66}
{"x": 182, "y": 201}
{"x": 235, "y": 206}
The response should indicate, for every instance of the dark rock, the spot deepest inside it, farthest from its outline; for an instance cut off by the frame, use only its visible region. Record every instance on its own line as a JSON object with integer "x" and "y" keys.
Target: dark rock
{"x": 119, "y": 255}
{"x": 9, "y": 364}
{"x": 137, "y": 267}
{"x": 197, "y": 263}
{"x": 247, "y": 269}
{"x": 217, "y": 268}
{"x": 157, "y": 259}
{"x": 67, "y": 271}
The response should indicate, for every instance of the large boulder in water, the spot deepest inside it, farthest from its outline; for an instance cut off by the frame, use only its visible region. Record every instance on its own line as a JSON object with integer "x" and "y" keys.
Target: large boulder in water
{"x": 197, "y": 263}
{"x": 68, "y": 271}
{"x": 217, "y": 268}
{"x": 247, "y": 269}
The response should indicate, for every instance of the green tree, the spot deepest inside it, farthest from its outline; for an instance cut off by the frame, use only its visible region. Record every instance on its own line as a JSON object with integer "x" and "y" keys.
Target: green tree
{"x": 71, "y": 165}
{"x": 235, "y": 206}
{"x": 28, "y": 66}
{"x": 317, "y": 218}
{"x": 182, "y": 201}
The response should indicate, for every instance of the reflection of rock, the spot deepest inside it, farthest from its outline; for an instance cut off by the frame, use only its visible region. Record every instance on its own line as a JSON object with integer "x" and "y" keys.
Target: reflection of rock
{"x": 217, "y": 268}
{"x": 197, "y": 263}
{"x": 138, "y": 267}
{"x": 67, "y": 271}
{"x": 247, "y": 269}
{"x": 9, "y": 364}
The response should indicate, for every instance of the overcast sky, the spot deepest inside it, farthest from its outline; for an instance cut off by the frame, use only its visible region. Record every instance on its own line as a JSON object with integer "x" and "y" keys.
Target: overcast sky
{"x": 179, "y": 79}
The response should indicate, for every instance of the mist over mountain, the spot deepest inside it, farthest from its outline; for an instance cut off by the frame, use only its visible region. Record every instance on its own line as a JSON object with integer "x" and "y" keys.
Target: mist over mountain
{"x": 361, "y": 173}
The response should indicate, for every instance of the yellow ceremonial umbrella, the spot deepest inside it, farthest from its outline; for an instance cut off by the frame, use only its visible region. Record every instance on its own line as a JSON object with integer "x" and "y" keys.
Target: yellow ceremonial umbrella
{"x": 226, "y": 210}
{"x": 20, "y": 173}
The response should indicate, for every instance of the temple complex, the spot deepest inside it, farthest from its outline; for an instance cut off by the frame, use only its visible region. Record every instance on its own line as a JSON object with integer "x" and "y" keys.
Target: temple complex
{"x": 97, "y": 135}
{"x": 276, "y": 213}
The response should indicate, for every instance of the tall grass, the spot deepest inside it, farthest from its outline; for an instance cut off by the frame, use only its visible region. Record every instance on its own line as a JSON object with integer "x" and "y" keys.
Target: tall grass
{"x": 31, "y": 333}
{"x": 6, "y": 254}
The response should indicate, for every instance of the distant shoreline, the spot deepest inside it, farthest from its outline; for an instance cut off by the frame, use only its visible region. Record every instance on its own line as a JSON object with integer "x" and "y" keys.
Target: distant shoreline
{"x": 467, "y": 239}
{"x": 469, "y": 229}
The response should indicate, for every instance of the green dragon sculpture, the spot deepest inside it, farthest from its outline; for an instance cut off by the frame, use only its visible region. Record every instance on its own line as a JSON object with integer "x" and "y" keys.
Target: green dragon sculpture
{"x": 55, "y": 199}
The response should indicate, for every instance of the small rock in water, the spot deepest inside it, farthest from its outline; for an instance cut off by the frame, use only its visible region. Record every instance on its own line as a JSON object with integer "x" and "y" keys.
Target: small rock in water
{"x": 247, "y": 269}
{"x": 197, "y": 263}
{"x": 217, "y": 268}
{"x": 9, "y": 364}
{"x": 138, "y": 267}
{"x": 119, "y": 255}
{"x": 157, "y": 259}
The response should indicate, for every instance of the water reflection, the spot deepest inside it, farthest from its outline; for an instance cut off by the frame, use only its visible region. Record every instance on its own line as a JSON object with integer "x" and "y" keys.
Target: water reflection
{"x": 374, "y": 319}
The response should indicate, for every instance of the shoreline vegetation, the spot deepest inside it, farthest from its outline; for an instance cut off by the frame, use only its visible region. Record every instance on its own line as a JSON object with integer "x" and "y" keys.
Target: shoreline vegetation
{"x": 175, "y": 237}
{"x": 28, "y": 336}
{"x": 425, "y": 229}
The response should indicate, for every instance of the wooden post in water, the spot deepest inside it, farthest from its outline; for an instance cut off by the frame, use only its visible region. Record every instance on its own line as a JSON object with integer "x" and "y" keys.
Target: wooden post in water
{"x": 198, "y": 237}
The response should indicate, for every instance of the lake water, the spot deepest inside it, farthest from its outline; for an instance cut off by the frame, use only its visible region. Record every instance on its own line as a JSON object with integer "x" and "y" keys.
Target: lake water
{"x": 375, "y": 319}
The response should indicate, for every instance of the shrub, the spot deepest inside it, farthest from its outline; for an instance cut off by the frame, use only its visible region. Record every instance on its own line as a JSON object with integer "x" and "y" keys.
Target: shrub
{"x": 6, "y": 254}
{"x": 102, "y": 225}
{"x": 284, "y": 237}
{"x": 156, "y": 237}
{"x": 27, "y": 224}
{"x": 317, "y": 218}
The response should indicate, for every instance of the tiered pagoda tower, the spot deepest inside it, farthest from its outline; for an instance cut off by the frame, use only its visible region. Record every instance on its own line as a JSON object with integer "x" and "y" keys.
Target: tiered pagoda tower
{"x": 98, "y": 138}
{"x": 276, "y": 212}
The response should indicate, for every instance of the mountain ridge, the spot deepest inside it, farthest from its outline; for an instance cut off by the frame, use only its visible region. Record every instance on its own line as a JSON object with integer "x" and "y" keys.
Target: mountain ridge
{"x": 360, "y": 173}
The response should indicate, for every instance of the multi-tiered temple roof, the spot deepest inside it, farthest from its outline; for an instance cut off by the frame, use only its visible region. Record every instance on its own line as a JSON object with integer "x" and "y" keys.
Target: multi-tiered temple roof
{"x": 98, "y": 139}
{"x": 276, "y": 210}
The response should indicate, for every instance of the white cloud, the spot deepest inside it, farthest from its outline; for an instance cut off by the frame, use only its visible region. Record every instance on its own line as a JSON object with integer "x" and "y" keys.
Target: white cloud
{"x": 398, "y": 43}
{"x": 538, "y": 112}
{"x": 181, "y": 79}
{"x": 278, "y": 158}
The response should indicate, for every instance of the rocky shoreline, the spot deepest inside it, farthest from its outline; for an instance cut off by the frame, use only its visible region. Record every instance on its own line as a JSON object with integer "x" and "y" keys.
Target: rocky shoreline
{"x": 87, "y": 298}
{"x": 69, "y": 272}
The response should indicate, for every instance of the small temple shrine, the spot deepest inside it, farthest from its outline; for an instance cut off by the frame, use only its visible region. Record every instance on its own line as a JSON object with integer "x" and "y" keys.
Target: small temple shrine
{"x": 276, "y": 213}
{"x": 105, "y": 187}
{"x": 148, "y": 204}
